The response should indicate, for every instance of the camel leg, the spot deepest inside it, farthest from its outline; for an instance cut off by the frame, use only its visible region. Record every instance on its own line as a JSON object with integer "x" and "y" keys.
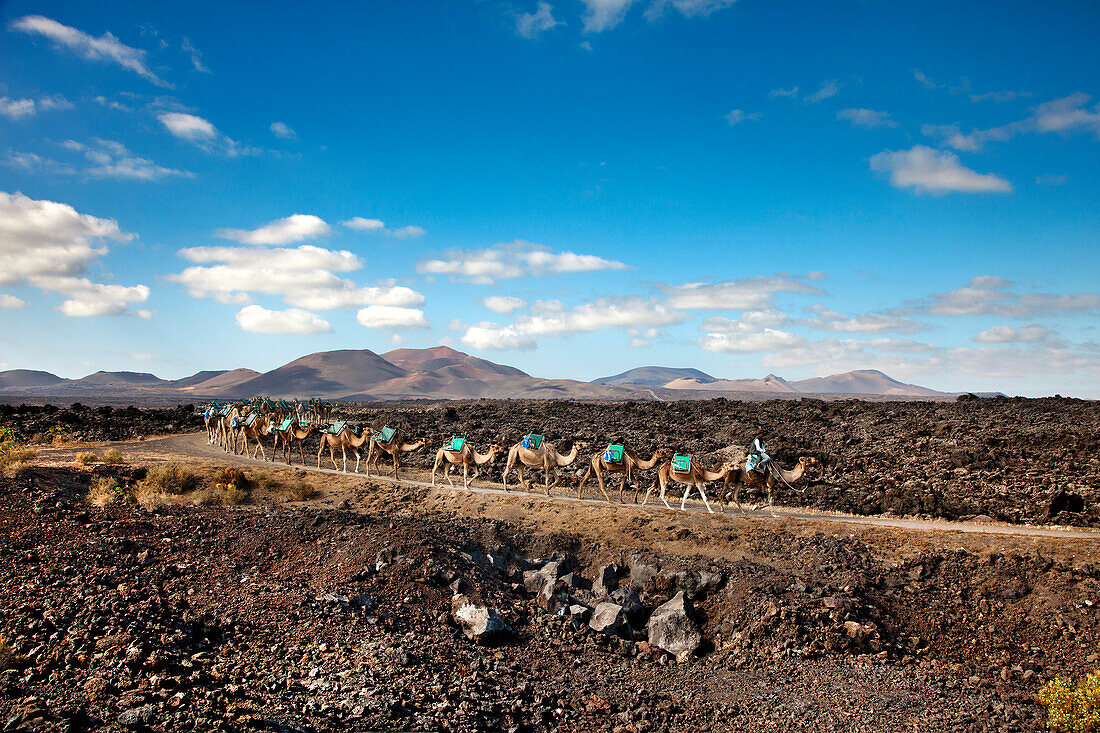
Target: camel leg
{"x": 522, "y": 480}
{"x": 648, "y": 491}
{"x": 319, "y": 452}
{"x": 263, "y": 453}
{"x": 702, "y": 493}
{"x": 356, "y": 459}
{"x": 771, "y": 505}
{"x": 332, "y": 457}
{"x": 664, "y": 488}
{"x": 465, "y": 475}
{"x": 584, "y": 479}
{"x": 603, "y": 490}
{"x": 301, "y": 449}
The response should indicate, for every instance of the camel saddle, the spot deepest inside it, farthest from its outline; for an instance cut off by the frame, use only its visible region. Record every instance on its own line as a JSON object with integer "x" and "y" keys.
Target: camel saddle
{"x": 386, "y": 434}
{"x": 532, "y": 441}
{"x": 613, "y": 454}
{"x": 226, "y": 410}
{"x": 337, "y": 427}
{"x": 251, "y": 419}
{"x": 285, "y": 424}
{"x": 681, "y": 464}
{"x": 456, "y": 443}
{"x": 753, "y": 463}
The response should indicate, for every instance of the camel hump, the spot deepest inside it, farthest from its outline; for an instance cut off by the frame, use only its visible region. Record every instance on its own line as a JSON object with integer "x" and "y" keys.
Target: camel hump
{"x": 613, "y": 454}
{"x": 681, "y": 463}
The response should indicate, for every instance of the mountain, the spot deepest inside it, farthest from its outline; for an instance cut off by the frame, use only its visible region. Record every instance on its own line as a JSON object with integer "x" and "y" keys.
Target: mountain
{"x": 327, "y": 374}
{"x": 215, "y": 380}
{"x": 18, "y": 378}
{"x": 863, "y": 381}
{"x": 441, "y": 357}
{"x": 655, "y": 376}
{"x": 120, "y": 379}
{"x": 770, "y": 383}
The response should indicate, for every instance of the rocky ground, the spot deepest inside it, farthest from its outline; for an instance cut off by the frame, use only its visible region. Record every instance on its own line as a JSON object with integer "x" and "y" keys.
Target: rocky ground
{"x": 42, "y": 424}
{"x": 1013, "y": 460}
{"x": 393, "y": 613}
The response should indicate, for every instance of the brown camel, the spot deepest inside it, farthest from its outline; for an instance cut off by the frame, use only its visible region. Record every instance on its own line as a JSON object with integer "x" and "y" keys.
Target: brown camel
{"x": 295, "y": 433}
{"x": 741, "y": 477}
{"x": 343, "y": 440}
{"x": 545, "y": 457}
{"x": 259, "y": 428}
{"x": 466, "y": 457}
{"x": 631, "y": 462}
{"x": 695, "y": 476}
{"x": 211, "y": 419}
{"x": 395, "y": 447}
{"x": 225, "y": 428}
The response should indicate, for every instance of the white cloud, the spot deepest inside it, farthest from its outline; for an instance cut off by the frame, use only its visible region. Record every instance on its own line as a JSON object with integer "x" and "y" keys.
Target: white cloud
{"x": 1063, "y": 116}
{"x": 988, "y": 295}
{"x": 824, "y": 319}
{"x": 1030, "y": 333}
{"x": 201, "y": 133}
{"x": 487, "y": 336}
{"x": 828, "y": 90}
{"x": 517, "y": 259}
{"x": 110, "y": 159}
{"x": 737, "y": 116}
{"x": 10, "y": 301}
{"x": 924, "y": 169}
{"x": 293, "y": 320}
{"x": 868, "y": 118}
{"x": 751, "y": 293}
{"x": 687, "y": 8}
{"x": 749, "y": 322}
{"x": 293, "y": 228}
{"x": 780, "y": 93}
{"x": 15, "y": 109}
{"x": 601, "y": 15}
{"x": 283, "y": 130}
{"x": 767, "y": 339}
{"x": 639, "y": 343}
{"x": 925, "y": 81}
{"x": 389, "y": 318}
{"x": 456, "y": 324}
{"x": 86, "y": 298}
{"x": 196, "y": 56}
{"x": 104, "y": 48}
{"x": 551, "y": 318}
{"x": 303, "y": 276}
{"x": 530, "y": 25}
{"x": 503, "y": 303}
{"x": 377, "y": 226}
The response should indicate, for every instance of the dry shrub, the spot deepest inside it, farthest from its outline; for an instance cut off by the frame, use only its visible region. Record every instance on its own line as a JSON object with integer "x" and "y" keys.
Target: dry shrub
{"x": 219, "y": 495}
{"x": 114, "y": 456}
{"x": 302, "y": 490}
{"x": 8, "y": 657}
{"x": 266, "y": 481}
{"x": 1072, "y": 708}
{"x": 233, "y": 495}
{"x": 17, "y": 470}
{"x": 14, "y": 459}
{"x": 87, "y": 458}
{"x": 151, "y": 499}
{"x": 103, "y": 491}
{"x": 170, "y": 478}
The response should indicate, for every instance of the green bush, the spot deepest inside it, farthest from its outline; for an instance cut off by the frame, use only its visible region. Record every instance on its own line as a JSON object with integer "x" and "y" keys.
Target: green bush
{"x": 1072, "y": 708}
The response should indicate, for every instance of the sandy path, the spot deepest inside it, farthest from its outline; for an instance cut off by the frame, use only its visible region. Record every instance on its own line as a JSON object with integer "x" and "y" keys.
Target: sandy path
{"x": 195, "y": 445}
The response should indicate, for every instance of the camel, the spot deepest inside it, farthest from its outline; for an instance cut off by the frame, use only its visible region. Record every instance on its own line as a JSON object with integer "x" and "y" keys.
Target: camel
{"x": 466, "y": 457}
{"x": 225, "y": 428}
{"x": 741, "y": 477}
{"x": 695, "y": 476}
{"x": 545, "y": 457}
{"x": 211, "y": 419}
{"x": 394, "y": 446}
{"x": 295, "y": 433}
{"x": 630, "y": 463}
{"x": 259, "y": 428}
{"x": 343, "y": 440}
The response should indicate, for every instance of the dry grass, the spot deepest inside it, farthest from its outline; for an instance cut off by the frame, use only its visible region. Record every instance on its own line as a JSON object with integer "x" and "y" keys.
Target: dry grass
{"x": 15, "y": 459}
{"x": 169, "y": 478}
{"x": 113, "y": 456}
{"x": 151, "y": 499}
{"x": 302, "y": 490}
{"x": 17, "y": 470}
{"x": 8, "y": 657}
{"x": 87, "y": 458}
{"x": 103, "y": 491}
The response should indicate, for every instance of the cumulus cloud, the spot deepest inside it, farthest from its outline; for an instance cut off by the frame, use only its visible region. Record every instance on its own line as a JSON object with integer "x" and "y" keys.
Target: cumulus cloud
{"x": 201, "y": 133}
{"x": 530, "y": 25}
{"x": 304, "y": 276}
{"x": 110, "y": 159}
{"x": 751, "y": 293}
{"x": 293, "y": 320}
{"x": 391, "y": 318}
{"x": 10, "y": 301}
{"x": 737, "y": 116}
{"x": 827, "y": 90}
{"x": 86, "y": 298}
{"x": 283, "y": 131}
{"x": 687, "y": 8}
{"x": 293, "y": 228}
{"x": 990, "y": 296}
{"x": 503, "y": 303}
{"x": 513, "y": 260}
{"x": 487, "y": 336}
{"x": 754, "y": 331}
{"x": 105, "y": 48}
{"x": 868, "y": 118}
{"x": 1031, "y": 333}
{"x": 1063, "y": 116}
{"x": 377, "y": 226}
{"x": 601, "y": 15}
{"x": 926, "y": 170}
{"x": 782, "y": 93}
{"x": 825, "y": 319}
{"x": 16, "y": 109}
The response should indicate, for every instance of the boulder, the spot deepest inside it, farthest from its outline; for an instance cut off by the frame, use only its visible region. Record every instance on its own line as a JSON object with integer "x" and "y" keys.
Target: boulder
{"x": 641, "y": 572}
{"x": 575, "y": 582}
{"x": 607, "y": 581}
{"x": 479, "y": 623}
{"x": 631, "y": 603}
{"x": 140, "y": 717}
{"x": 610, "y": 618}
{"x": 672, "y": 628}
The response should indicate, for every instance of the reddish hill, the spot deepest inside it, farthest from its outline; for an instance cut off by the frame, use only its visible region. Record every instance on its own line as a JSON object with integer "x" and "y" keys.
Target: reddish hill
{"x": 863, "y": 381}
{"x": 328, "y": 374}
{"x": 19, "y": 378}
{"x": 440, "y": 357}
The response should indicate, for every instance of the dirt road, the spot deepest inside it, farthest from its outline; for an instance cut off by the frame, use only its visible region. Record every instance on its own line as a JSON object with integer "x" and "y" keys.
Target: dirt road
{"x": 195, "y": 445}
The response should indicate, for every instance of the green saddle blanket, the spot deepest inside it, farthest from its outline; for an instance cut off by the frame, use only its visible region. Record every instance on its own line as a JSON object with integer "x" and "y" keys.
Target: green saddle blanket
{"x": 681, "y": 464}
{"x": 337, "y": 427}
{"x": 532, "y": 441}
{"x": 456, "y": 443}
{"x": 250, "y": 419}
{"x": 285, "y": 424}
{"x": 386, "y": 434}
{"x": 613, "y": 454}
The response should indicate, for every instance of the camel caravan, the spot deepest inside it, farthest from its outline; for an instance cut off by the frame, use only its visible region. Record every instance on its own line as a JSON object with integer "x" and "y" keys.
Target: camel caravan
{"x": 241, "y": 427}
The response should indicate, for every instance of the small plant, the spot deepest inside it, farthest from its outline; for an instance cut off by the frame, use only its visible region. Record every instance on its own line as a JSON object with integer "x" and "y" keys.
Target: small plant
{"x": 151, "y": 499}
{"x": 114, "y": 456}
{"x": 170, "y": 478}
{"x": 87, "y": 458}
{"x": 233, "y": 495}
{"x": 104, "y": 490}
{"x": 8, "y": 657}
{"x": 17, "y": 470}
{"x": 266, "y": 481}
{"x": 302, "y": 490}
{"x": 1072, "y": 708}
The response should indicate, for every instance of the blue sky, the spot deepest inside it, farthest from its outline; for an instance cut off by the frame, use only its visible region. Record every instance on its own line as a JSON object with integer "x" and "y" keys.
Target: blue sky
{"x": 574, "y": 187}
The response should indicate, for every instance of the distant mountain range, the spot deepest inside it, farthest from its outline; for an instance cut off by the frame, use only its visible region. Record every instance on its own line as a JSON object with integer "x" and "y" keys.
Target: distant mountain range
{"x": 439, "y": 373}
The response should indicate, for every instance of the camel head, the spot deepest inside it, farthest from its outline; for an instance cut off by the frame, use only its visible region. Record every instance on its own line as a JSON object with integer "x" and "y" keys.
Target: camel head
{"x": 496, "y": 450}
{"x": 808, "y": 461}
{"x": 663, "y": 454}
